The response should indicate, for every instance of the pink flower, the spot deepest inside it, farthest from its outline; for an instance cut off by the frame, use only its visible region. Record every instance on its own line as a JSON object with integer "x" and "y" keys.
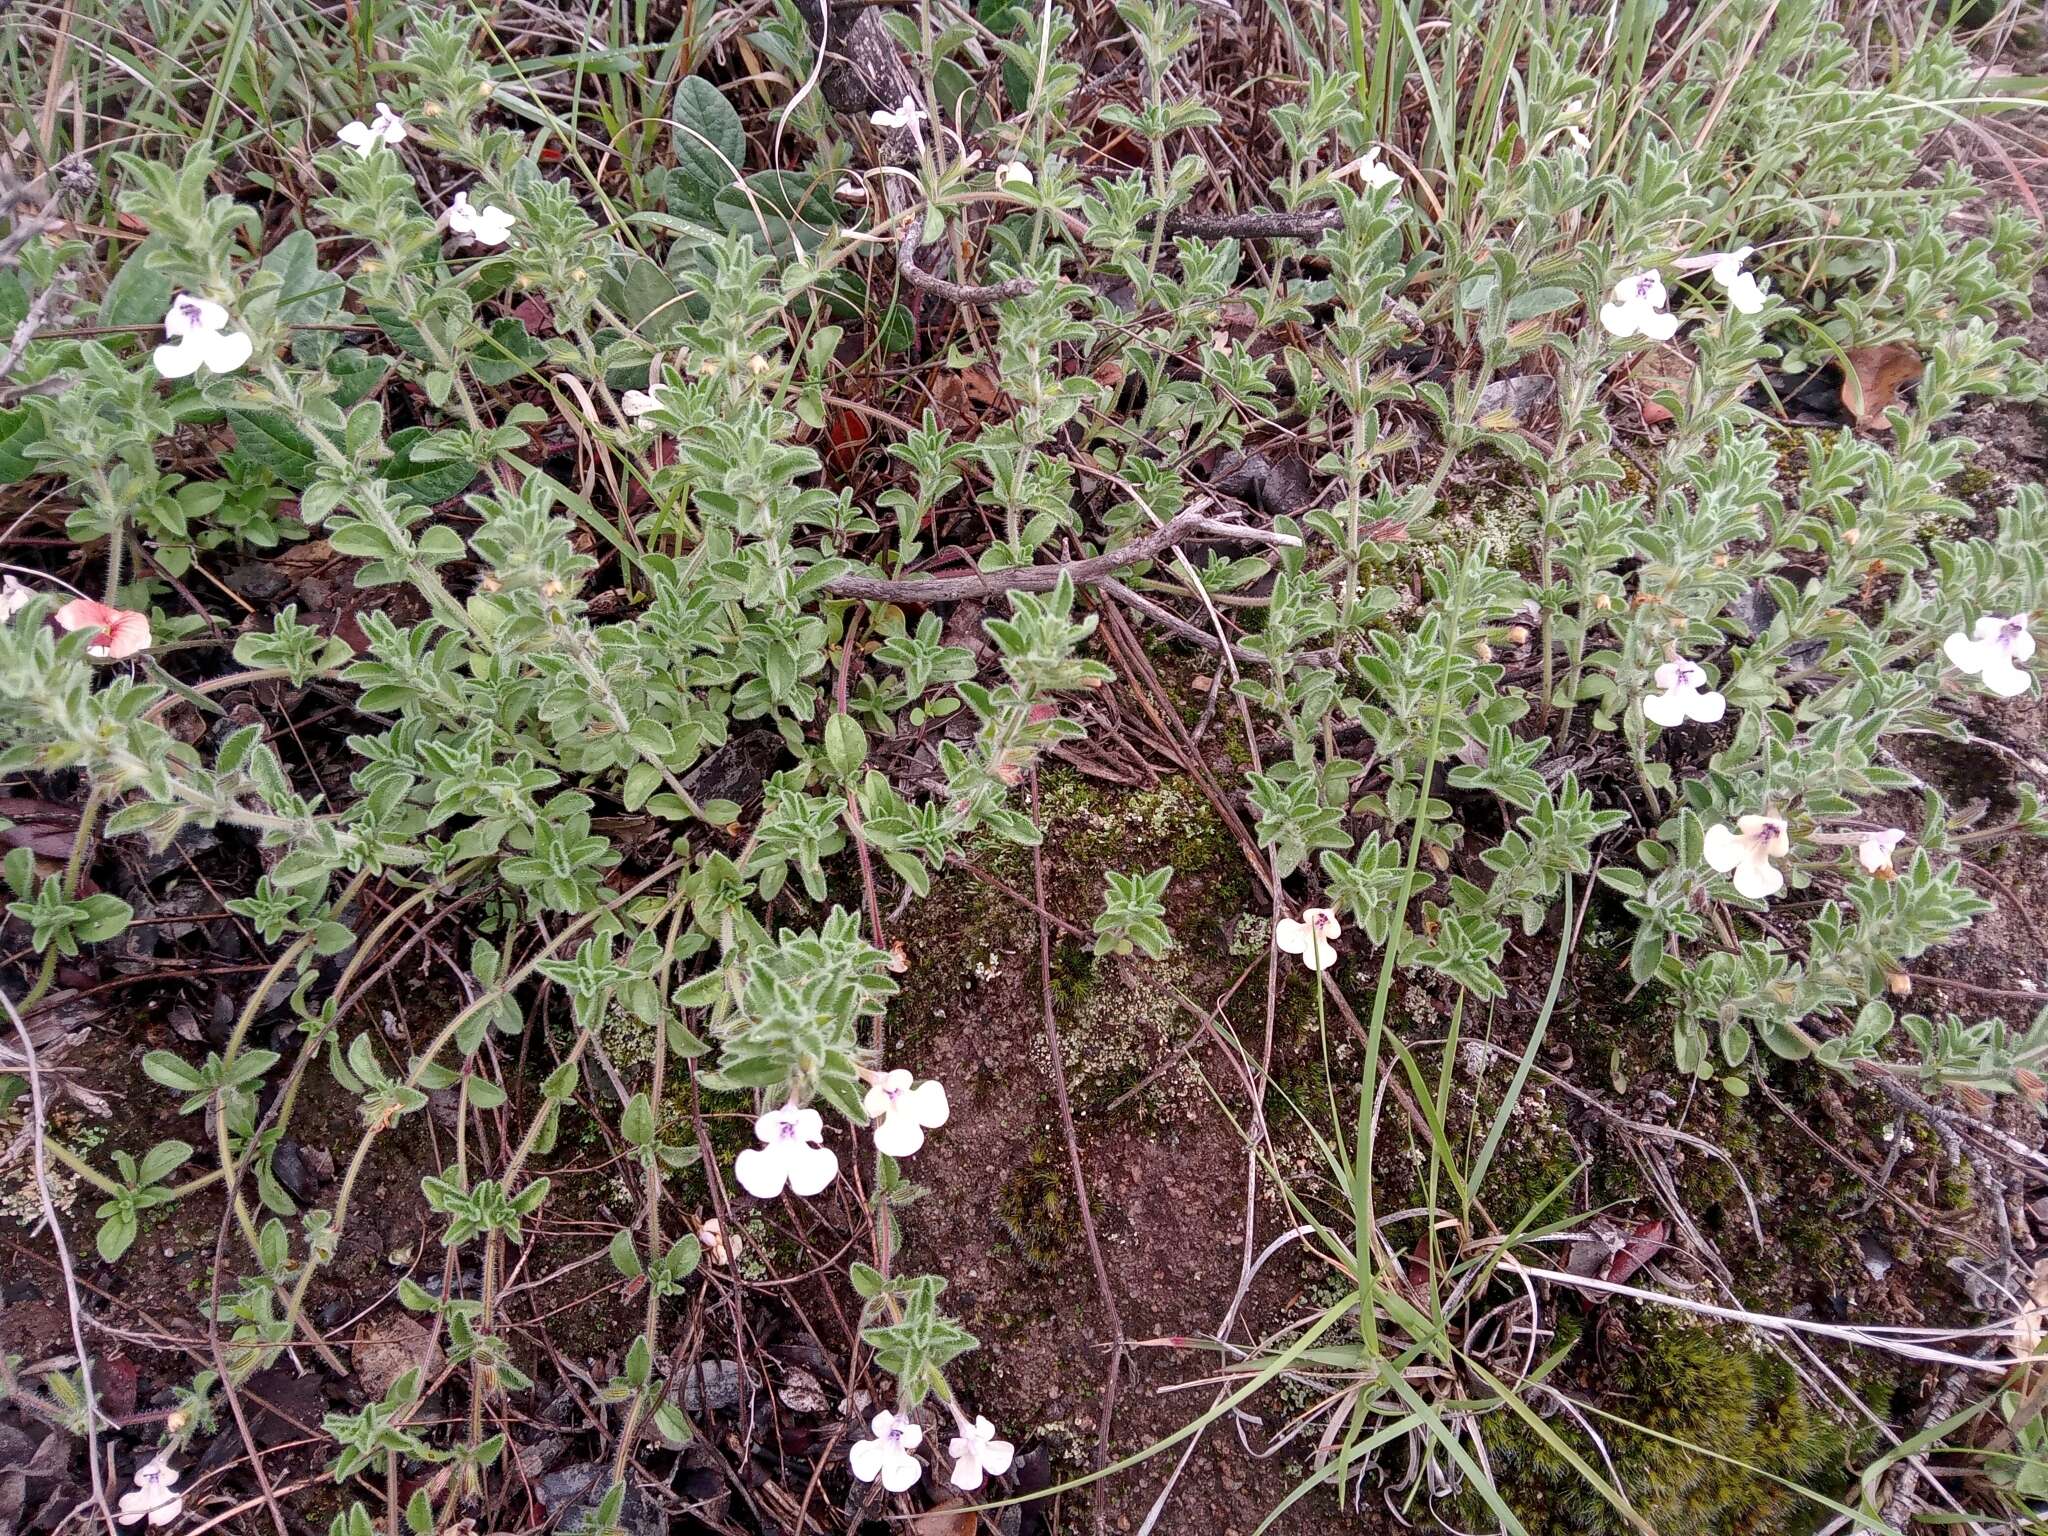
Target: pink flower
{"x": 118, "y": 632}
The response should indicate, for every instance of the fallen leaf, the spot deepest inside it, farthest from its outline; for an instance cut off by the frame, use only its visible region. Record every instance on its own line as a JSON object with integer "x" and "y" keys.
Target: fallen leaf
{"x": 952, "y": 1518}
{"x": 1659, "y": 369}
{"x": 1873, "y": 378}
{"x": 389, "y": 1348}
{"x": 1641, "y": 1246}
{"x": 848, "y": 432}
{"x": 1514, "y": 402}
{"x": 801, "y": 1393}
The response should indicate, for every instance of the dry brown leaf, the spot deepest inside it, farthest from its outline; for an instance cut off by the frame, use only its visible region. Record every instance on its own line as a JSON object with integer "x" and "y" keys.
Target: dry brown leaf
{"x": 951, "y": 1518}
{"x": 388, "y": 1349}
{"x": 1659, "y": 369}
{"x": 1873, "y": 378}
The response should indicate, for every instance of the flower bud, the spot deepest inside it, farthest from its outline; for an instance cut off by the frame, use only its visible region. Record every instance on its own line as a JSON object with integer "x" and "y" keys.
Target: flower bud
{"x": 1852, "y": 537}
{"x": 1518, "y": 634}
{"x": 1602, "y": 602}
{"x": 1899, "y": 984}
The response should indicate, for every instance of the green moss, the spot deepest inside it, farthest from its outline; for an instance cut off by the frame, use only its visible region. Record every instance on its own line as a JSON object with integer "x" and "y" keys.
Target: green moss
{"x": 1036, "y": 1209}
{"x": 1701, "y": 1425}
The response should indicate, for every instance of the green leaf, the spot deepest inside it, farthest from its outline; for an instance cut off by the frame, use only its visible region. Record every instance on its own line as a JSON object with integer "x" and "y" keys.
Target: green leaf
{"x": 794, "y": 212}
{"x": 846, "y": 745}
{"x": 1531, "y": 302}
{"x": 425, "y": 483}
{"x": 138, "y": 295}
{"x": 20, "y": 430}
{"x": 116, "y": 1233}
{"x": 271, "y": 442}
{"x": 637, "y": 1124}
{"x": 507, "y": 352}
{"x": 306, "y": 294}
{"x": 710, "y": 145}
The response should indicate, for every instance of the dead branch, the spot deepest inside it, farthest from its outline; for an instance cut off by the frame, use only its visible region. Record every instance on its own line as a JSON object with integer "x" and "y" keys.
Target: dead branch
{"x": 1043, "y": 578}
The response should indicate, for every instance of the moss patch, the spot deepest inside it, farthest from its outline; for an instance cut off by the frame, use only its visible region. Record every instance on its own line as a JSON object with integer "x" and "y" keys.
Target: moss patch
{"x": 1701, "y": 1425}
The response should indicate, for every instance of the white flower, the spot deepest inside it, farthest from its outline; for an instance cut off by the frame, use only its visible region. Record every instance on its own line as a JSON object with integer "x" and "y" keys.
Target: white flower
{"x": 1682, "y": 699}
{"x": 1314, "y": 938}
{"x": 638, "y": 402}
{"x": 887, "y": 1456}
{"x": 909, "y": 115}
{"x": 1367, "y": 168}
{"x": 1638, "y": 309}
{"x": 199, "y": 338}
{"x": 902, "y": 1113}
{"x": 1874, "y": 853}
{"x": 488, "y": 225}
{"x": 1017, "y": 171}
{"x": 1746, "y": 854}
{"x": 151, "y": 1498}
{"x": 1574, "y": 116}
{"x": 1744, "y": 292}
{"x": 720, "y": 1248}
{"x": 13, "y": 597}
{"x": 384, "y": 127}
{"x": 977, "y": 1453}
{"x": 791, "y": 1153}
{"x": 1994, "y": 651}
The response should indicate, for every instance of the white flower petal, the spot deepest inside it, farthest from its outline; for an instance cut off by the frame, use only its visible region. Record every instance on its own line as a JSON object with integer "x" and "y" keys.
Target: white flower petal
{"x": 223, "y": 352}
{"x": 358, "y": 136}
{"x": 761, "y": 1172}
{"x": 1757, "y": 878}
{"x": 1659, "y": 324}
{"x": 865, "y": 1459}
{"x": 1965, "y": 654}
{"x": 190, "y": 315}
{"x": 177, "y": 359}
{"x": 1666, "y": 709}
{"x": 901, "y": 1472}
{"x": 1721, "y": 848}
{"x": 1705, "y": 708}
{"x": 1618, "y": 319}
{"x": 1291, "y": 935}
{"x": 2003, "y": 678}
{"x": 810, "y": 1169}
{"x": 1744, "y": 294}
{"x": 928, "y": 1104}
{"x": 898, "y": 1135}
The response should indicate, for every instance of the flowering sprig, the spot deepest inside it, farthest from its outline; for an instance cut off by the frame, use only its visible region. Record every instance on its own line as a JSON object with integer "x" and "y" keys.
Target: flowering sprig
{"x": 1745, "y": 294}
{"x": 1682, "y": 698}
{"x": 792, "y": 1155}
{"x": 1745, "y": 854}
{"x": 385, "y": 127}
{"x": 117, "y": 633}
{"x": 887, "y": 1456}
{"x": 153, "y": 1498}
{"x": 1994, "y": 651}
{"x": 488, "y": 225}
{"x": 1313, "y": 937}
{"x": 1874, "y": 852}
{"x": 976, "y": 1451}
{"x": 1637, "y": 309}
{"x": 902, "y": 1111}
{"x": 199, "y": 338}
